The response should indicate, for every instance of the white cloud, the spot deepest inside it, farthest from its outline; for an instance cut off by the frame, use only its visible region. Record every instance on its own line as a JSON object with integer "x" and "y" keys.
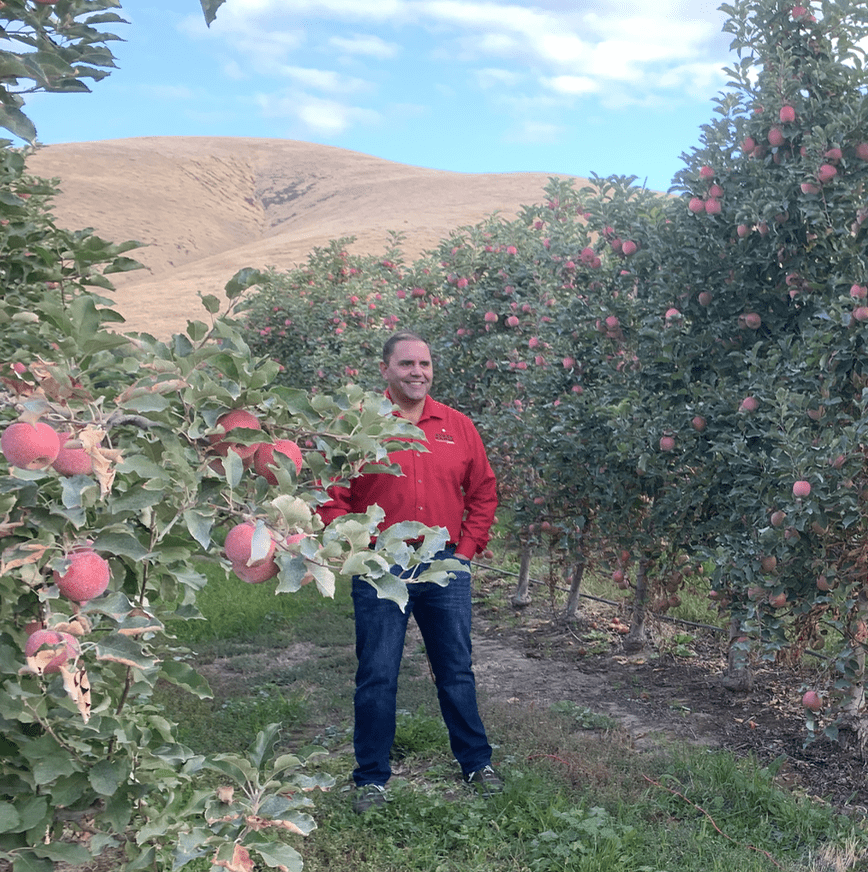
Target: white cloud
{"x": 491, "y": 77}
{"x": 572, "y": 85}
{"x": 172, "y": 93}
{"x": 324, "y": 80}
{"x": 536, "y": 132}
{"x": 316, "y": 115}
{"x": 365, "y": 45}
{"x": 647, "y": 51}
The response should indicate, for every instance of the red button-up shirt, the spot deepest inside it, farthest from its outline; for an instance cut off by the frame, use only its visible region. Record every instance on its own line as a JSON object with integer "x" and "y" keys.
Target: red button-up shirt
{"x": 451, "y": 485}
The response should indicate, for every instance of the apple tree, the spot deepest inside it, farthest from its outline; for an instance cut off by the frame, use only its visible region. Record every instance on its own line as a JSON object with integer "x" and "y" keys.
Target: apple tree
{"x": 120, "y": 476}
{"x": 762, "y": 257}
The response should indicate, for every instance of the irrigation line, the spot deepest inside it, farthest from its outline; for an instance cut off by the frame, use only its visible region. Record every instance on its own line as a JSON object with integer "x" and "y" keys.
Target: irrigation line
{"x": 598, "y": 599}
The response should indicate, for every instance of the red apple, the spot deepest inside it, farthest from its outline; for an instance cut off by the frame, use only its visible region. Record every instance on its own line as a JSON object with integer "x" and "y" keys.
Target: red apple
{"x": 776, "y": 137}
{"x": 704, "y": 298}
{"x": 826, "y": 173}
{"x": 629, "y": 247}
{"x": 72, "y": 461}
{"x": 787, "y": 114}
{"x": 698, "y": 423}
{"x": 696, "y": 205}
{"x": 712, "y": 206}
{"x": 263, "y": 459}
{"x": 778, "y": 518}
{"x": 257, "y": 573}
{"x": 749, "y": 404}
{"x": 30, "y": 446}
{"x": 64, "y": 645}
{"x": 802, "y": 489}
{"x": 239, "y": 545}
{"x": 769, "y": 563}
{"x": 862, "y": 151}
{"x": 237, "y": 418}
{"x": 86, "y": 578}
{"x": 811, "y": 700}
{"x": 667, "y": 443}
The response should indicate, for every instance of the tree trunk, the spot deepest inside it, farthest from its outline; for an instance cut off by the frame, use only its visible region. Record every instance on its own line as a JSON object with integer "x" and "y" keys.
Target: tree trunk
{"x": 572, "y": 610}
{"x": 637, "y": 639}
{"x": 521, "y": 597}
{"x": 853, "y": 729}
{"x": 739, "y": 676}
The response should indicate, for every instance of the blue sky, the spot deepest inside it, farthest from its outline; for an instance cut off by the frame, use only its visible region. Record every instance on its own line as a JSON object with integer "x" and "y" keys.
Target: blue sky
{"x": 554, "y": 86}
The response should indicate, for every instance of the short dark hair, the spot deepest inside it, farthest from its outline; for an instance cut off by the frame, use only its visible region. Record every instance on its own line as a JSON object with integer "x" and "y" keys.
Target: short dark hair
{"x": 395, "y": 338}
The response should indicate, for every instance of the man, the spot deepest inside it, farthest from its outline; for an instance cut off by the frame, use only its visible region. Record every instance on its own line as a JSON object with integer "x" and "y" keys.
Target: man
{"x": 452, "y": 486}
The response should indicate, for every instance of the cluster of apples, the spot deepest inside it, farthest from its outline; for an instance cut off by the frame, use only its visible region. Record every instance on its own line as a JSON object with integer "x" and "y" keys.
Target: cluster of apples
{"x": 260, "y": 455}
{"x": 38, "y": 445}
{"x": 86, "y": 577}
{"x": 253, "y": 561}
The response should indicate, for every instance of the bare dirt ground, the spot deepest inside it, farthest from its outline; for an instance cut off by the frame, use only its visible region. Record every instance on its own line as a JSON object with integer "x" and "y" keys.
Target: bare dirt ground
{"x": 535, "y": 659}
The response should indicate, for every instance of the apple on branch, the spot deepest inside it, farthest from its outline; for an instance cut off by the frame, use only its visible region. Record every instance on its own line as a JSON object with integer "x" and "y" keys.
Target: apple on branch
{"x": 30, "y": 446}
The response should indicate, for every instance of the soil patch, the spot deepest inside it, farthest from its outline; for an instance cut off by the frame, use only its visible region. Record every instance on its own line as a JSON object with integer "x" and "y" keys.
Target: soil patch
{"x": 532, "y": 658}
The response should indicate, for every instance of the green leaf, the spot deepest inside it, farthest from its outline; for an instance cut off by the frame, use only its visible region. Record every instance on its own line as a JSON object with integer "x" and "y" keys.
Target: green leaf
{"x": 183, "y": 675}
{"x": 106, "y": 776}
{"x": 263, "y": 744}
{"x": 324, "y": 578}
{"x": 236, "y": 768}
{"x": 15, "y": 121}
{"x": 392, "y": 588}
{"x": 122, "y": 545}
{"x": 366, "y": 563}
{"x": 233, "y": 468}
{"x": 122, "y": 649}
{"x": 10, "y": 821}
{"x": 277, "y": 854}
{"x": 211, "y": 304}
{"x": 199, "y": 524}
{"x": 63, "y": 852}
{"x": 242, "y": 280}
{"x": 209, "y": 8}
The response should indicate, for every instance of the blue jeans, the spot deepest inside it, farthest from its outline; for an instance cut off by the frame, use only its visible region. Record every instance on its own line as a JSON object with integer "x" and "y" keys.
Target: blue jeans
{"x": 443, "y": 616}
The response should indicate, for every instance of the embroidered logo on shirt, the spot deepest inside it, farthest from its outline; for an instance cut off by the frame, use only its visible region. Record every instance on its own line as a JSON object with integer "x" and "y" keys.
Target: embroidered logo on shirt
{"x": 445, "y": 437}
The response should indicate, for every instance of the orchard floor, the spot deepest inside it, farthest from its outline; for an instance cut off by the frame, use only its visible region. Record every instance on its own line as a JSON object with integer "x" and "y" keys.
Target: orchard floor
{"x": 533, "y": 661}
{"x": 528, "y": 660}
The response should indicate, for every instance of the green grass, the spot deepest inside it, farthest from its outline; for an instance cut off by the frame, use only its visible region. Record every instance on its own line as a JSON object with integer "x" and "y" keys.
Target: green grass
{"x": 578, "y": 796}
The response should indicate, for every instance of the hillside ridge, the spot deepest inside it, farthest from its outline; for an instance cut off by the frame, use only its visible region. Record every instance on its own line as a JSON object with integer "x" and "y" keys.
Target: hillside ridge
{"x": 205, "y": 207}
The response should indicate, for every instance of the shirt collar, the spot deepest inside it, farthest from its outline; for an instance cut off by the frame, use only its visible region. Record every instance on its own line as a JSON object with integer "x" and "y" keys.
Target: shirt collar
{"x": 431, "y": 409}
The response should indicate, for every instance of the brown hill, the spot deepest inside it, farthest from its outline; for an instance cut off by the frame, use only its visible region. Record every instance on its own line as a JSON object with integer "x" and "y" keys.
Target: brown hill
{"x": 207, "y": 206}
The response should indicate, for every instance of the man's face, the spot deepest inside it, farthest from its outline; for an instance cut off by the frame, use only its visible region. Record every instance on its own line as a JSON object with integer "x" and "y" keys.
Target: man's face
{"x": 408, "y": 372}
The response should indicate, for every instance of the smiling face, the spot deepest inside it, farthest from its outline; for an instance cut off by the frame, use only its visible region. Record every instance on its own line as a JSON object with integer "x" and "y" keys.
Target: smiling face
{"x": 408, "y": 373}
